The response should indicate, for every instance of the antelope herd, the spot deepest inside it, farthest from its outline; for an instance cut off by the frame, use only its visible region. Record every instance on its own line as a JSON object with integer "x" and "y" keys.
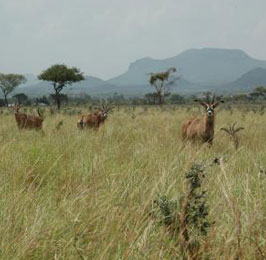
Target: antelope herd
{"x": 194, "y": 130}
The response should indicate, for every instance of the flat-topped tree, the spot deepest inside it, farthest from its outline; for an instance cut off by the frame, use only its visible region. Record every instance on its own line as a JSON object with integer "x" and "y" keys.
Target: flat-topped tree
{"x": 259, "y": 91}
{"x": 8, "y": 82}
{"x": 60, "y": 76}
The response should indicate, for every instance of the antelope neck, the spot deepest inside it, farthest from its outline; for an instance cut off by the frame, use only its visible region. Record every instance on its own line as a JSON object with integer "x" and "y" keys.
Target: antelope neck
{"x": 209, "y": 121}
{"x": 100, "y": 116}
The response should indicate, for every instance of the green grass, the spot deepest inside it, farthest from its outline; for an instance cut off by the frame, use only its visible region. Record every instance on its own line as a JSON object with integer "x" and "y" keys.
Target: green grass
{"x": 69, "y": 194}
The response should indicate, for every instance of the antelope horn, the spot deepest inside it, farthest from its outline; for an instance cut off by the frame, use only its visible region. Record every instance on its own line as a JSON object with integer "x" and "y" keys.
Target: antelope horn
{"x": 207, "y": 98}
{"x": 106, "y": 105}
{"x": 213, "y": 98}
{"x": 225, "y": 129}
{"x": 238, "y": 129}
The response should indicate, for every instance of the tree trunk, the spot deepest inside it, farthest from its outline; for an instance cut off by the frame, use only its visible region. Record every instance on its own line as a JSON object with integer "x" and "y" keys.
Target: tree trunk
{"x": 58, "y": 103}
{"x": 160, "y": 94}
{"x": 5, "y": 95}
{"x": 160, "y": 98}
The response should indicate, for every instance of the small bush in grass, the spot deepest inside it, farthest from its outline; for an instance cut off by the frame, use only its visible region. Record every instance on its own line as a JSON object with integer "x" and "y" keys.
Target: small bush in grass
{"x": 196, "y": 209}
{"x": 52, "y": 111}
{"x": 59, "y": 125}
{"x": 189, "y": 217}
{"x": 167, "y": 211}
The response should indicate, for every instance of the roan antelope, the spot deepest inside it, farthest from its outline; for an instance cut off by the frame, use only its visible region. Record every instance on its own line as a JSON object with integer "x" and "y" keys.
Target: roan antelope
{"x": 202, "y": 129}
{"x": 94, "y": 120}
{"x": 25, "y": 121}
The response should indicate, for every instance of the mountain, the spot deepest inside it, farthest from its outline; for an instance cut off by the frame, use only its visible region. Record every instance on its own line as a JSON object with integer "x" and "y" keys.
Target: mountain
{"x": 90, "y": 86}
{"x": 217, "y": 70}
{"x": 200, "y": 66}
{"x": 246, "y": 83}
{"x": 31, "y": 79}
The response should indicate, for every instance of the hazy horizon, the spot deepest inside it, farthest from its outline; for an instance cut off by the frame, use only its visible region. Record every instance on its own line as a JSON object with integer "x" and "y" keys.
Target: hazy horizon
{"x": 103, "y": 37}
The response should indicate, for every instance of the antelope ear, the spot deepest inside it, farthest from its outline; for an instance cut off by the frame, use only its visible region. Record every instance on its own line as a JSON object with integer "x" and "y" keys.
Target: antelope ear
{"x": 217, "y": 103}
{"x": 201, "y": 103}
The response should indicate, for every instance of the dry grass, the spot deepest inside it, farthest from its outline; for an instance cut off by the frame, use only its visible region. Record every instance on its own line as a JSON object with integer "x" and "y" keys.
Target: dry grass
{"x": 70, "y": 194}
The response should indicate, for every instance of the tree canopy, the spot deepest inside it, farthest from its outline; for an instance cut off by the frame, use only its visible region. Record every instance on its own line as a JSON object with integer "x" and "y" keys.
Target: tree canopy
{"x": 162, "y": 82}
{"x": 21, "y": 98}
{"x": 60, "y": 75}
{"x": 8, "y": 82}
{"x": 259, "y": 91}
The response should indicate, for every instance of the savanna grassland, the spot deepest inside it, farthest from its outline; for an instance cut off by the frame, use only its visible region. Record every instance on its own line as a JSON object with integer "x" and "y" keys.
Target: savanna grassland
{"x": 70, "y": 194}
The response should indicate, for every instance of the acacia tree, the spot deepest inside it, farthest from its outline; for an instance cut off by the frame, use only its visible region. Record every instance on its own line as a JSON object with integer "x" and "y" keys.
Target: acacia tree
{"x": 21, "y": 98}
{"x": 8, "y": 82}
{"x": 61, "y": 76}
{"x": 162, "y": 82}
{"x": 259, "y": 91}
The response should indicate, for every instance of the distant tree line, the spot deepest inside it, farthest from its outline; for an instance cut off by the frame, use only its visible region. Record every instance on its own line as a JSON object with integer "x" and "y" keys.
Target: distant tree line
{"x": 60, "y": 76}
{"x": 118, "y": 99}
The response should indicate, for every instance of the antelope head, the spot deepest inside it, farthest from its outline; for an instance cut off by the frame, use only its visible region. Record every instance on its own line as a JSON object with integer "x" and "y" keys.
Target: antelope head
{"x": 210, "y": 104}
{"x": 16, "y": 108}
{"x": 103, "y": 110}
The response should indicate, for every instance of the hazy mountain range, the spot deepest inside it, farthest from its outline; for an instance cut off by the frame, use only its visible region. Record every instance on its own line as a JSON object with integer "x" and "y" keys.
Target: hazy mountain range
{"x": 219, "y": 70}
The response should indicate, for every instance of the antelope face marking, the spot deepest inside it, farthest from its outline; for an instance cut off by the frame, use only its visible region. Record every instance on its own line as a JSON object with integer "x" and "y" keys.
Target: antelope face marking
{"x": 209, "y": 110}
{"x": 105, "y": 112}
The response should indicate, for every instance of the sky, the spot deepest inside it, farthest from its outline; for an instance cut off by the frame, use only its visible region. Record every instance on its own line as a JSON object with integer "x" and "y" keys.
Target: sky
{"x": 102, "y": 37}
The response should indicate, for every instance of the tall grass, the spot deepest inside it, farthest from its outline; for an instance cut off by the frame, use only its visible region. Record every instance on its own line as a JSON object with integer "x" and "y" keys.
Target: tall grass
{"x": 69, "y": 194}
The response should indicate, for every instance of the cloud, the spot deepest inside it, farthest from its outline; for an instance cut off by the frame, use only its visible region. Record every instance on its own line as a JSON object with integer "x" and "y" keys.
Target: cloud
{"x": 102, "y": 37}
